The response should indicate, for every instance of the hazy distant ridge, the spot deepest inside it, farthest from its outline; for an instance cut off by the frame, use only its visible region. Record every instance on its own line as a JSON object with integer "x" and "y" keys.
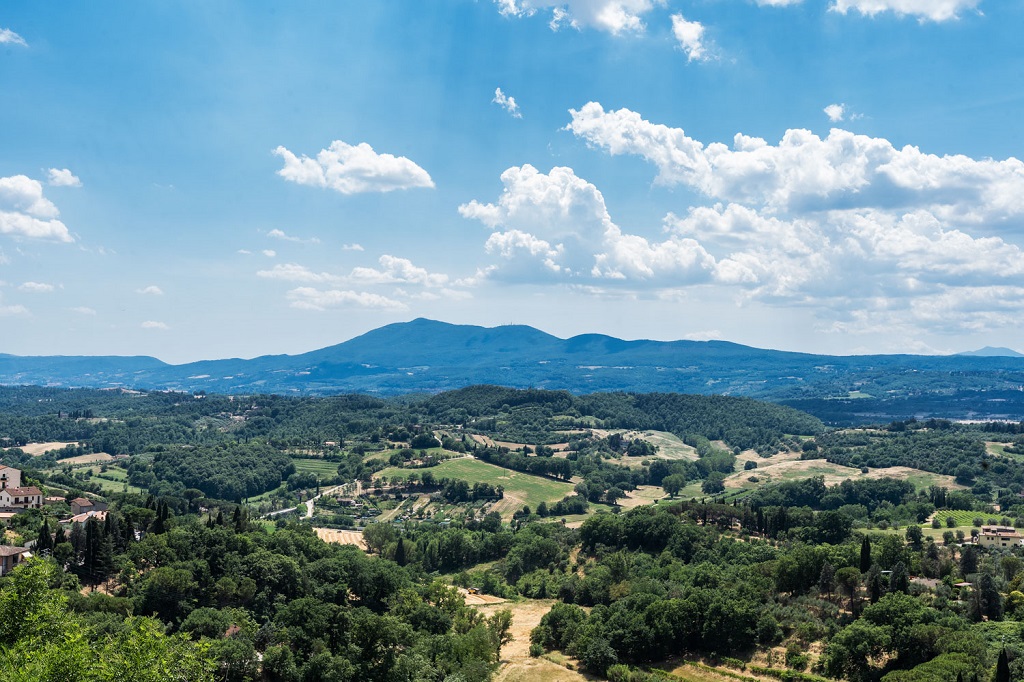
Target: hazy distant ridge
{"x": 428, "y": 356}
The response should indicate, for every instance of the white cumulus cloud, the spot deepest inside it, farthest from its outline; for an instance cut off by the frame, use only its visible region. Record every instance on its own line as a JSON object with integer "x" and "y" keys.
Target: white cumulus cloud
{"x": 556, "y": 226}
{"x": 352, "y": 247}
{"x": 860, "y": 232}
{"x": 151, "y": 290}
{"x": 690, "y": 35}
{"x": 153, "y": 324}
{"x": 25, "y": 212}
{"x": 934, "y": 10}
{"x": 835, "y": 112}
{"x": 62, "y": 177}
{"x": 507, "y": 103}
{"x": 804, "y": 172}
{"x": 352, "y": 169}
{"x": 395, "y": 270}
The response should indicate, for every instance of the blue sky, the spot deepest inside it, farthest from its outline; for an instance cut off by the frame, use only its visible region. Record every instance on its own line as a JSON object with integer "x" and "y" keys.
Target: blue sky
{"x": 219, "y": 179}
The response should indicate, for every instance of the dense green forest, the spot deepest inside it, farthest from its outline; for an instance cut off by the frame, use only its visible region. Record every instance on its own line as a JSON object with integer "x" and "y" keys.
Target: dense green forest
{"x": 200, "y": 566}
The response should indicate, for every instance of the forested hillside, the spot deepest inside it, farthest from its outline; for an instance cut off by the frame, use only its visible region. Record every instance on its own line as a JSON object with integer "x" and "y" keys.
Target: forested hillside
{"x": 628, "y": 536}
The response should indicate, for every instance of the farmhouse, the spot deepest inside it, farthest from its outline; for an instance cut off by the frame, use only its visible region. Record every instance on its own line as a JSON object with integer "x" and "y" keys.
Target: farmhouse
{"x": 11, "y": 557}
{"x": 21, "y": 498}
{"x": 9, "y": 477}
{"x": 84, "y": 516}
{"x": 13, "y": 496}
{"x": 999, "y": 537}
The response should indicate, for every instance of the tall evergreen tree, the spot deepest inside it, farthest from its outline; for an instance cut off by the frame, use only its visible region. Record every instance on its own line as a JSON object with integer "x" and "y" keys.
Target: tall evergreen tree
{"x": 969, "y": 561}
{"x": 865, "y": 554}
{"x": 899, "y": 580}
{"x": 1003, "y": 667}
{"x": 44, "y": 543}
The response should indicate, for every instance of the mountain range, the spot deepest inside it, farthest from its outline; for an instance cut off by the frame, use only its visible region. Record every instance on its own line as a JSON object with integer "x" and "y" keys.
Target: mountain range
{"x": 430, "y": 356}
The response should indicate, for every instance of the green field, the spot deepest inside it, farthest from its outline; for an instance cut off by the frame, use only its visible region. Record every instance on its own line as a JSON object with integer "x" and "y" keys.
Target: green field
{"x": 317, "y": 467}
{"x": 109, "y": 486}
{"x": 520, "y": 488}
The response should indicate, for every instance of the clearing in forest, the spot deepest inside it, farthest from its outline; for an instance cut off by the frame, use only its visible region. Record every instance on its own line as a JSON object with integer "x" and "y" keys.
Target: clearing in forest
{"x": 773, "y": 470}
{"x": 520, "y": 489}
{"x": 318, "y": 467}
{"x": 37, "y": 449}
{"x": 86, "y": 459}
{"x": 516, "y": 663}
{"x": 341, "y": 537}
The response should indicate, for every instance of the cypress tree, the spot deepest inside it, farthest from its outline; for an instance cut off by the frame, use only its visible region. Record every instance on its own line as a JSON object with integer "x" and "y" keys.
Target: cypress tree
{"x": 44, "y": 543}
{"x": 1003, "y": 667}
{"x": 400, "y": 553}
{"x": 899, "y": 581}
{"x": 865, "y": 555}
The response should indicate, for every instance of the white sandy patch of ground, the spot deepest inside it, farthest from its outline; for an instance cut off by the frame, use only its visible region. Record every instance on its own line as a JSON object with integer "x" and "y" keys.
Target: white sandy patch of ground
{"x": 341, "y": 537}
{"x": 37, "y": 449}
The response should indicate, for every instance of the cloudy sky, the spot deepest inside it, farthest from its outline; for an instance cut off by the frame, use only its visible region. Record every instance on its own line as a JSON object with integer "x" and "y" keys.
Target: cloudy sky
{"x": 218, "y": 179}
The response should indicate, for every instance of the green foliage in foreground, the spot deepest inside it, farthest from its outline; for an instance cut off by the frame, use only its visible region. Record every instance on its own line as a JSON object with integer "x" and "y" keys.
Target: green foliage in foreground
{"x": 42, "y": 641}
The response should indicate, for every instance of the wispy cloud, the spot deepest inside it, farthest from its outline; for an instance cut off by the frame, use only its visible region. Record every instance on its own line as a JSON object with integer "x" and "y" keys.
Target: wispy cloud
{"x": 280, "y": 234}
{"x": 507, "y": 103}
{"x": 151, "y": 290}
{"x": 36, "y": 287}
{"x": 9, "y": 37}
{"x": 152, "y": 324}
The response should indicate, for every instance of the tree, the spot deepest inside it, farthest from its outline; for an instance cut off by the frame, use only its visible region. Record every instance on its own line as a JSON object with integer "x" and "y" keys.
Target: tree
{"x": 827, "y": 579}
{"x": 914, "y": 536}
{"x": 990, "y": 601}
{"x": 613, "y": 495}
{"x": 44, "y": 543}
{"x": 499, "y": 626}
{"x": 848, "y": 580}
{"x": 377, "y": 536}
{"x": 714, "y": 483}
{"x": 673, "y": 484}
{"x": 899, "y": 581}
{"x": 876, "y": 587}
{"x": 1003, "y": 667}
{"x": 865, "y": 554}
{"x": 968, "y": 561}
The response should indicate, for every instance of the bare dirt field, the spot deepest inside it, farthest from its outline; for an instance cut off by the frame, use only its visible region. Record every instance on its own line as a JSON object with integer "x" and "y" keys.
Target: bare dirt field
{"x": 87, "y": 459}
{"x": 37, "y": 449}
{"x": 341, "y": 537}
{"x": 644, "y": 494}
{"x": 516, "y": 663}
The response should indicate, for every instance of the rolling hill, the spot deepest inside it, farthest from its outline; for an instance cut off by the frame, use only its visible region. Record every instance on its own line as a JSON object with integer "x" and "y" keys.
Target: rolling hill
{"x": 429, "y": 356}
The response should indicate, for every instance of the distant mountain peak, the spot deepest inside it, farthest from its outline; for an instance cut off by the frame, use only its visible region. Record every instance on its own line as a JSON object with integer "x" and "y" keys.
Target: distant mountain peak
{"x": 992, "y": 352}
